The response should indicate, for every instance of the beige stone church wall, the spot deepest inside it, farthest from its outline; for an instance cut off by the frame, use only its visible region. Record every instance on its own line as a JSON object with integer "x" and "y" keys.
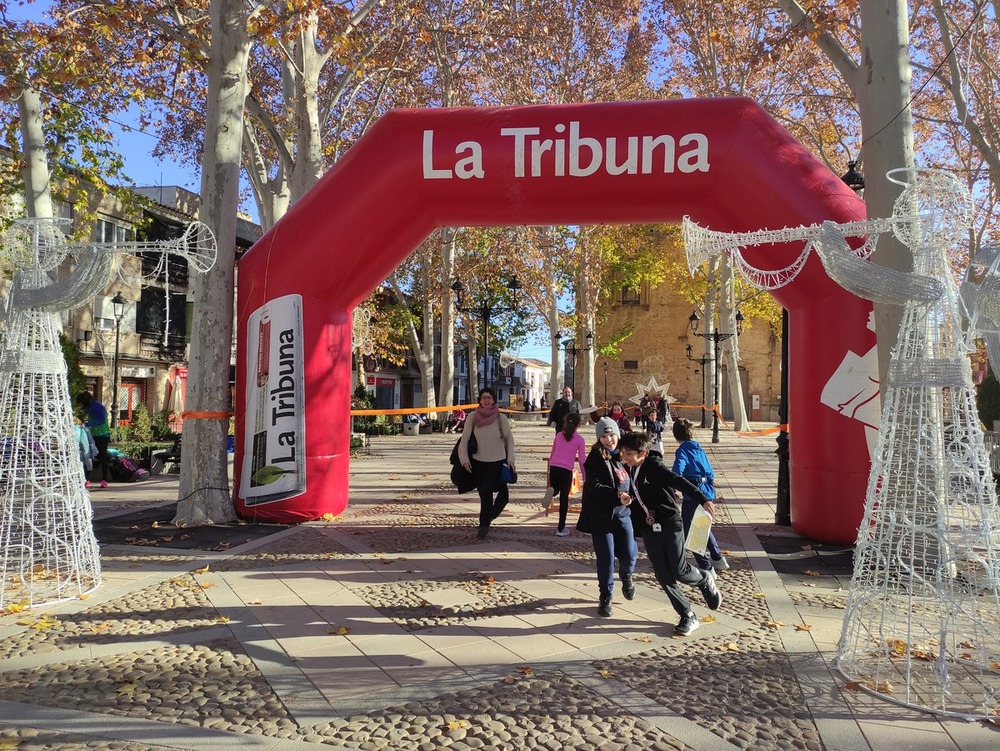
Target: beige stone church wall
{"x": 661, "y": 330}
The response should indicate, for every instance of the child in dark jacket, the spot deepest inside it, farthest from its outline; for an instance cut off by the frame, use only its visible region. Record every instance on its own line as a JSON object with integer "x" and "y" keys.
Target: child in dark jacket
{"x": 656, "y": 517}
{"x": 604, "y": 514}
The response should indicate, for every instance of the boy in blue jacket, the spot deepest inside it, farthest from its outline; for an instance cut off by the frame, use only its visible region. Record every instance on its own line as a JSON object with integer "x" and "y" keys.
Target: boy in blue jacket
{"x": 657, "y": 519}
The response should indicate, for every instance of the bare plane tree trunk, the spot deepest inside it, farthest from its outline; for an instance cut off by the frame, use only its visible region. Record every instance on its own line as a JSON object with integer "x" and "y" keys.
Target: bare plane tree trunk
{"x": 446, "y": 383}
{"x": 37, "y": 198}
{"x": 204, "y": 496}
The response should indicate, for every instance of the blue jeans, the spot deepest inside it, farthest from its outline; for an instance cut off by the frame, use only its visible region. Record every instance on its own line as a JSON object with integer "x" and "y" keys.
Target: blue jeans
{"x": 618, "y": 543}
{"x": 688, "y": 507}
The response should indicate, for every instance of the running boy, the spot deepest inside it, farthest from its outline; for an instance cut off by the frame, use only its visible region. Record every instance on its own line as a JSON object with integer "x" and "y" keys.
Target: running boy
{"x": 657, "y": 519}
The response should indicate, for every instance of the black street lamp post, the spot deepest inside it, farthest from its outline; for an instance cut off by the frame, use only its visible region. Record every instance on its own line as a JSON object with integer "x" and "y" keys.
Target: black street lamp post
{"x": 571, "y": 350}
{"x": 717, "y": 337}
{"x": 703, "y": 361}
{"x": 118, "y": 304}
{"x": 605, "y": 364}
{"x": 486, "y": 311}
{"x": 783, "y": 499}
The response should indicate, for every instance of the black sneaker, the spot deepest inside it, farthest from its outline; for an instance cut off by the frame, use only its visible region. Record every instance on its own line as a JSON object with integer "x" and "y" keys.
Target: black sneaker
{"x": 713, "y": 598}
{"x": 628, "y": 588}
{"x": 604, "y": 609}
{"x": 483, "y": 531}
{"x": 687, "y": 624}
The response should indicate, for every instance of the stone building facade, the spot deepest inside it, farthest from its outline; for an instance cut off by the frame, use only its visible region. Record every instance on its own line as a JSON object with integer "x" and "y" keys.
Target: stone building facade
{"x": 659, "y": 320}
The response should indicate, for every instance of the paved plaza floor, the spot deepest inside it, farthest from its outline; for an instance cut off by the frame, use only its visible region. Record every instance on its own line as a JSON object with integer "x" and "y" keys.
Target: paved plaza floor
{"x": 393, "y": 627}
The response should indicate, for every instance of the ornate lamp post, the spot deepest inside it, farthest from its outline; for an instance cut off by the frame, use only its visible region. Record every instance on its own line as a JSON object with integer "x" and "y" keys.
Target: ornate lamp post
{"x": 572, "y": 350}
{"x": 703, "y": 361}
{"x": 852, "y": 178}
{"x": 605, "y": 366}
{"x": 118, "y": 304}
{"x": 486, "y": 310}
{"x": 717, "y": 337}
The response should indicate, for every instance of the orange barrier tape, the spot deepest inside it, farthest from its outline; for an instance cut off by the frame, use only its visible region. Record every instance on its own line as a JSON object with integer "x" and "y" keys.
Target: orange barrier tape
{"x": 206, "y": 415}
{"x": 413, "y": 410}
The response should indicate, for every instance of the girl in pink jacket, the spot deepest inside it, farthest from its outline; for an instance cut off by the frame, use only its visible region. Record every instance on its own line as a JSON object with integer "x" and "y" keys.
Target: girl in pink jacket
{"x": 568, "y": 446}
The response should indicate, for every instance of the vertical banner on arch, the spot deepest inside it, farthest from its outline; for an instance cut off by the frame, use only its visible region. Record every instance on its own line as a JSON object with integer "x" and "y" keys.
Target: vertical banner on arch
{"x": 274, "y": 466}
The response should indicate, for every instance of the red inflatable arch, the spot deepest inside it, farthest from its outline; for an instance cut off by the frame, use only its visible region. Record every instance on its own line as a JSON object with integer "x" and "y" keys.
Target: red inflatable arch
{"x": 724, "y": 162}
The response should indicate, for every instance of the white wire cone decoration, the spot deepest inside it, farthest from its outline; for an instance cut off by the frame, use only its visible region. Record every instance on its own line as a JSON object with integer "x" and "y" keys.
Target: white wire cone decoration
{"x": 922, "y": 622}
{"x": 47, "y": 545}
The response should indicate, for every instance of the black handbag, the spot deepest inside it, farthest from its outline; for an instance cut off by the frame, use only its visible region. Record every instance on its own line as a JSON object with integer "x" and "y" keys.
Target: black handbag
{"x": 473, "y": 448}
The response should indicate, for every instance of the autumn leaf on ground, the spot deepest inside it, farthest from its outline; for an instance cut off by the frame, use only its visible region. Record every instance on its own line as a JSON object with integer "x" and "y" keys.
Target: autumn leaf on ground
{"x": 644, "y": 639}
{"x": 339, "y": 631}
{"x": 708, "y": 619}
{"x": 526, "y": 669}
{"x": 99, "y": 627}
{"x": 488, "y": 579}
{"x": 810, "y": 572}
{"x": 84, "y": 597}
{"x": 205, "y": 585}
{"x": 45, "y": 623}
{"x": 919, "y": 654}
{"x": 222, "y": 619}
{"x": 202, "y": 570}
{"x": 127, "y": 690}
{"x": 328, "y": 517}
{"x": 898, "y": 646}
{"x": 803, "y": 627}
{"x": 772, "y": 624}
{"x": 255, "y": 601}
{"x": 967, "y": 645}
{"x": 605, "y": 673}
{"x": 729, "y": 647}
{"x": 457, "y": 725}
{"x": 759, "y": 596}
{"x": 882, "y": 687}
{"x": 15, "y": 607}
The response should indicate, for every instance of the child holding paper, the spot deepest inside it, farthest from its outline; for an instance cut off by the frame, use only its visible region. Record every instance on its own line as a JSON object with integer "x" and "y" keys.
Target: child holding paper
{"x": 657, "y": 519}
{"x": 691, "y": 463}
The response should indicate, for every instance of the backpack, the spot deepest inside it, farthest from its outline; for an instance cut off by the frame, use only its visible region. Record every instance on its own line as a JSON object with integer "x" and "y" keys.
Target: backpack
{"x": 126, "y": 469}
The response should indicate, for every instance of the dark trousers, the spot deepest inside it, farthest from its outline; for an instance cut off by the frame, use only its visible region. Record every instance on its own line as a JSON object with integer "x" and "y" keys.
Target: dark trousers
{"x": 666, "y": 554}
{"x": 488, "y": 479}
{"x": 618, "y": 543}
{"x": 102, "y": 441}
{"x": 561, "y": 480}
{"x": 688, "y": 507}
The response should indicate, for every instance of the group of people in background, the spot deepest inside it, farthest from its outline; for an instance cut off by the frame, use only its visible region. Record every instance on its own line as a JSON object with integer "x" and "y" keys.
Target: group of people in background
{"x": 93, "y": 436}
{"x": 629, "y": 492}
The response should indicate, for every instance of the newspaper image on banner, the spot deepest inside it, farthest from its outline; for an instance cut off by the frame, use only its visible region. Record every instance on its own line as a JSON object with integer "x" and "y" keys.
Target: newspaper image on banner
{"x": 701, "y": 528}
{"x": 274, "y": 465}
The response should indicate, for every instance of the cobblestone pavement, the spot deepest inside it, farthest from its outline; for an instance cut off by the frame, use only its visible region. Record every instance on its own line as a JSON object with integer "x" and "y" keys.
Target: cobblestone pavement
{"x": 393, "y": 627}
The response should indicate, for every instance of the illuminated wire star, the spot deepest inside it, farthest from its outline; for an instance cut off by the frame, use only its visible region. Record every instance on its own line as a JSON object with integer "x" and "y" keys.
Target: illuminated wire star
{"x": 649, "y": 388}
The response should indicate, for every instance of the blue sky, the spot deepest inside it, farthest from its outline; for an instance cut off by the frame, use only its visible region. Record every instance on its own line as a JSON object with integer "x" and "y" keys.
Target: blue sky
{"x": 136, "y": 147}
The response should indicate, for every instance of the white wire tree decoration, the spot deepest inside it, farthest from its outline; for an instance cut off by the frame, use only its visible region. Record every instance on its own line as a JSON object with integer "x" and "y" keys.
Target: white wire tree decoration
{"x": 922, "y": 623}
{"x": 47, "y": 545}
